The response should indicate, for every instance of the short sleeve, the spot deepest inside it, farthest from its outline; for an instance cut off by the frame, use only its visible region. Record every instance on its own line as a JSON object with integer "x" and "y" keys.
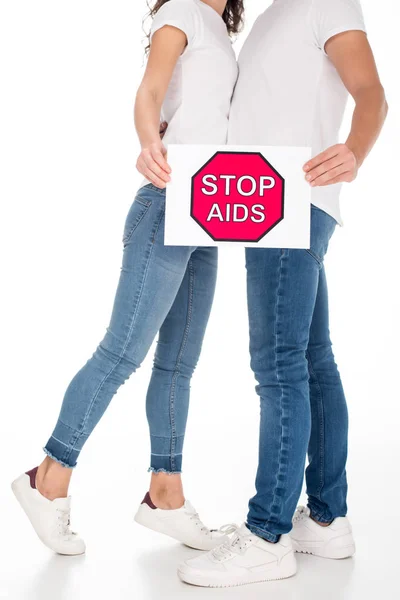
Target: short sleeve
{"x": 177, "y": 13}
{"x": 331, "y": 17}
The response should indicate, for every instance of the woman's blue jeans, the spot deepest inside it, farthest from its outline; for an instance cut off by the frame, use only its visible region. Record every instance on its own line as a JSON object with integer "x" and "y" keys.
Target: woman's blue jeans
{"x": 162, "y": 289}
{"x": 302, "y": 401}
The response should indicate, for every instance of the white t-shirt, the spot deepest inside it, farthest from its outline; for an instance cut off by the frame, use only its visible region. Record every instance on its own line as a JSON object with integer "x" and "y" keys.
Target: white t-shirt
{"x": 198, "y": 99}
{"x": 288, "y": 92}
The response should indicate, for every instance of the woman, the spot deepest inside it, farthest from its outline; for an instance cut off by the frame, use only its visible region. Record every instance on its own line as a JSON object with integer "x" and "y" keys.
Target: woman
{"x": 190, "y": 75}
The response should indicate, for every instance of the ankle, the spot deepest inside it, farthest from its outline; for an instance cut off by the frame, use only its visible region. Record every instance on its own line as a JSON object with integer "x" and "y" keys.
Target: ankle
{"x": 52, "y": 479}
{"x": 166, "y": 491}
{"x": 167, "y": 499}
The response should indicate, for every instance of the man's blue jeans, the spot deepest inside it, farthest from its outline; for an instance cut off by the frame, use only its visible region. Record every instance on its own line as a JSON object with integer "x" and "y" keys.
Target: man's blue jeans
{"x": 302, "y": 400}
{"x": 163, "y": 289}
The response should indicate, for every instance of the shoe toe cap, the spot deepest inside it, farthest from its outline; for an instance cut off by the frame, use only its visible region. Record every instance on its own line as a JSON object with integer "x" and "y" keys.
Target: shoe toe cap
{"x": 71, "y": 548}
{"x": 204, "y": 562}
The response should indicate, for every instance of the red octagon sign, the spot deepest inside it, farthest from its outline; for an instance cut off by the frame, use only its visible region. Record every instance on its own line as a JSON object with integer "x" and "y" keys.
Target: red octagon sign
{"x": 237, "y": 197}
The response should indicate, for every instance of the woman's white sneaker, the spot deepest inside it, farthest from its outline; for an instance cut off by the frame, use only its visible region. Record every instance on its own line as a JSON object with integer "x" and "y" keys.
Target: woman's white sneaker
{"x": 182, "y": 524}
{"x": 245, "y": 559}
{"x": 334, "y": 541}
{"x": 49, "y": 518}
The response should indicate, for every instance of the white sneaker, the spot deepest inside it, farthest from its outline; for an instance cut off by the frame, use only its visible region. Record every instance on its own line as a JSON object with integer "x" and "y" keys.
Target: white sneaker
{"x": 49, "y": 518}
{"x": 182, "y": 524}
{"x": 244, "y": 559}
{"x": 334, "y": 541}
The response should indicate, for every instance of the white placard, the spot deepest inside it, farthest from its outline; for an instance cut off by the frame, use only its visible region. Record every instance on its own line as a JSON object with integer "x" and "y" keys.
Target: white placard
{"x": 292, "y": 231}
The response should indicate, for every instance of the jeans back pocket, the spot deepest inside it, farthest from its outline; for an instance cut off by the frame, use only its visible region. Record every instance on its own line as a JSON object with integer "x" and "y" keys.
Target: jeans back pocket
{"x": 136, "y": 213}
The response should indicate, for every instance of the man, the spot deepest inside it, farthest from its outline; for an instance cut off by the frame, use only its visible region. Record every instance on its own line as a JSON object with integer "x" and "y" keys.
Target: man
{"x": 297, "y": 66}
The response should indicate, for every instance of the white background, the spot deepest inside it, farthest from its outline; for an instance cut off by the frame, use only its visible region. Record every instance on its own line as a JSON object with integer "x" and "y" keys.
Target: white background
{"x": 69, "y": 71}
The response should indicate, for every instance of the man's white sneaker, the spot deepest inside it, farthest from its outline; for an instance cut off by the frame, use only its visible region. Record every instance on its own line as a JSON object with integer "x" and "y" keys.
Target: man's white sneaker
{"x": 49, "y": 518}
{"x": 182, "y": 524}
{"x": 246, "y": 558}
{"x": 335, "y": 541}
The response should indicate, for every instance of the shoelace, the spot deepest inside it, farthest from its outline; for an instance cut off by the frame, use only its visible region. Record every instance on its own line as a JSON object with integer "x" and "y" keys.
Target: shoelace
{"x": 224, "y": 530}
{"x": 195, "y": 517}
{"x": 65, "y": 522}
{"x": 300, "y": 514}
{"x": 237, "y": 545}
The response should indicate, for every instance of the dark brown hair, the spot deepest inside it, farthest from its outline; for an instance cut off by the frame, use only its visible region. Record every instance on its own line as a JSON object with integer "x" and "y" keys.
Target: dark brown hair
{"x": 232, "y": 15}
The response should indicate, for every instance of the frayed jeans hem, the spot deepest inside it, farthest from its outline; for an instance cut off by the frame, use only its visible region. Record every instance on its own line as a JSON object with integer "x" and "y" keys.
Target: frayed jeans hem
{"x": 57, "y": 460}
{"x": 154, "y": 470}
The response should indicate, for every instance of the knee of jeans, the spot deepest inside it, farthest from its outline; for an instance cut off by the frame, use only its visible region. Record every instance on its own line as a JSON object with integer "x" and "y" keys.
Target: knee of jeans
{"x": 287, "y": 366}
{"x": 170, "y": 367}
{"x": 292, "y": 367}
{"x": 321, "y": 358}
{"x": 119, "y": 364}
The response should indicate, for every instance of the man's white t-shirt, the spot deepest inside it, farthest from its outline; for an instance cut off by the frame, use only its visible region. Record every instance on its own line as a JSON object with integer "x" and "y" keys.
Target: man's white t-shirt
{"x": 198, "y": 99}
{"x": 288, "y": 92}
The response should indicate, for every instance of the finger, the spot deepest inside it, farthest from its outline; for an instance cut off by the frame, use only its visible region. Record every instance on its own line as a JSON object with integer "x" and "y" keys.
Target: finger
{"x": 140, "y": 166}
{"x": 332, "y": 174}
{"x": 326, "y": 166}
{"x": 153, "y": 166}
{"x": 160, "y": 160}
{"x": 345, "y": 178}
{"x": 320, "y": 158}
{"x": 154, "y": 179}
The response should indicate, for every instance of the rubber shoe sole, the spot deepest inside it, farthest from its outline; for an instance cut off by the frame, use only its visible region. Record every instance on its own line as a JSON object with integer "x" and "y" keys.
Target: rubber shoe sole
{"x": 331, "y": 550}
{"x": 287, "y": 569}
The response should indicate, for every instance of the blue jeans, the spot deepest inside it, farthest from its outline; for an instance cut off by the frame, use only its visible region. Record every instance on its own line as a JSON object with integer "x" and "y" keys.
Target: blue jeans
{"x": 302, "y": 401}
{"x": 163, "y": 289}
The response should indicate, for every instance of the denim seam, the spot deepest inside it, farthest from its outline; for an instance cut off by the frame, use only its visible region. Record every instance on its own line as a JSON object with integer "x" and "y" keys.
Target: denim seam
{"x": 128, "y": 236}
{"x": 274, "y": 512}
{"x": 154, "y": 188}
{"x": 176, "y": 454}
{"x": 158, "y": 225}
{"x": 321, "y": 427}
{"x": 59, "y": 441}
{"x": 65, "y": 425}
{"x": 80, "y": 432}
{"x": 143, "y": 201}
{"x": 178, "y": 362}
{"x": 315, "y": 257}
{"x": 69, "y": 448}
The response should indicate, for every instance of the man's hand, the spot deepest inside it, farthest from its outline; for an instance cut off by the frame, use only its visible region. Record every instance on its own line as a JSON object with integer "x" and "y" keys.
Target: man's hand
{"x": 152, "y": 164}
{"x": 337, "y": 164}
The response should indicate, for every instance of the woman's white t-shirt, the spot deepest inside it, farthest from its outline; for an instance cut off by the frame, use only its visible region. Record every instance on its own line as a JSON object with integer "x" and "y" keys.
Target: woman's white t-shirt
{"x": 197, "y": 103}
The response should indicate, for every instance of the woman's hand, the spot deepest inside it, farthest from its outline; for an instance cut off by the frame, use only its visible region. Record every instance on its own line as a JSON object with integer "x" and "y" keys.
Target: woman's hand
{"x": 153, "y": 165}
{"x": 335, "y": 165}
